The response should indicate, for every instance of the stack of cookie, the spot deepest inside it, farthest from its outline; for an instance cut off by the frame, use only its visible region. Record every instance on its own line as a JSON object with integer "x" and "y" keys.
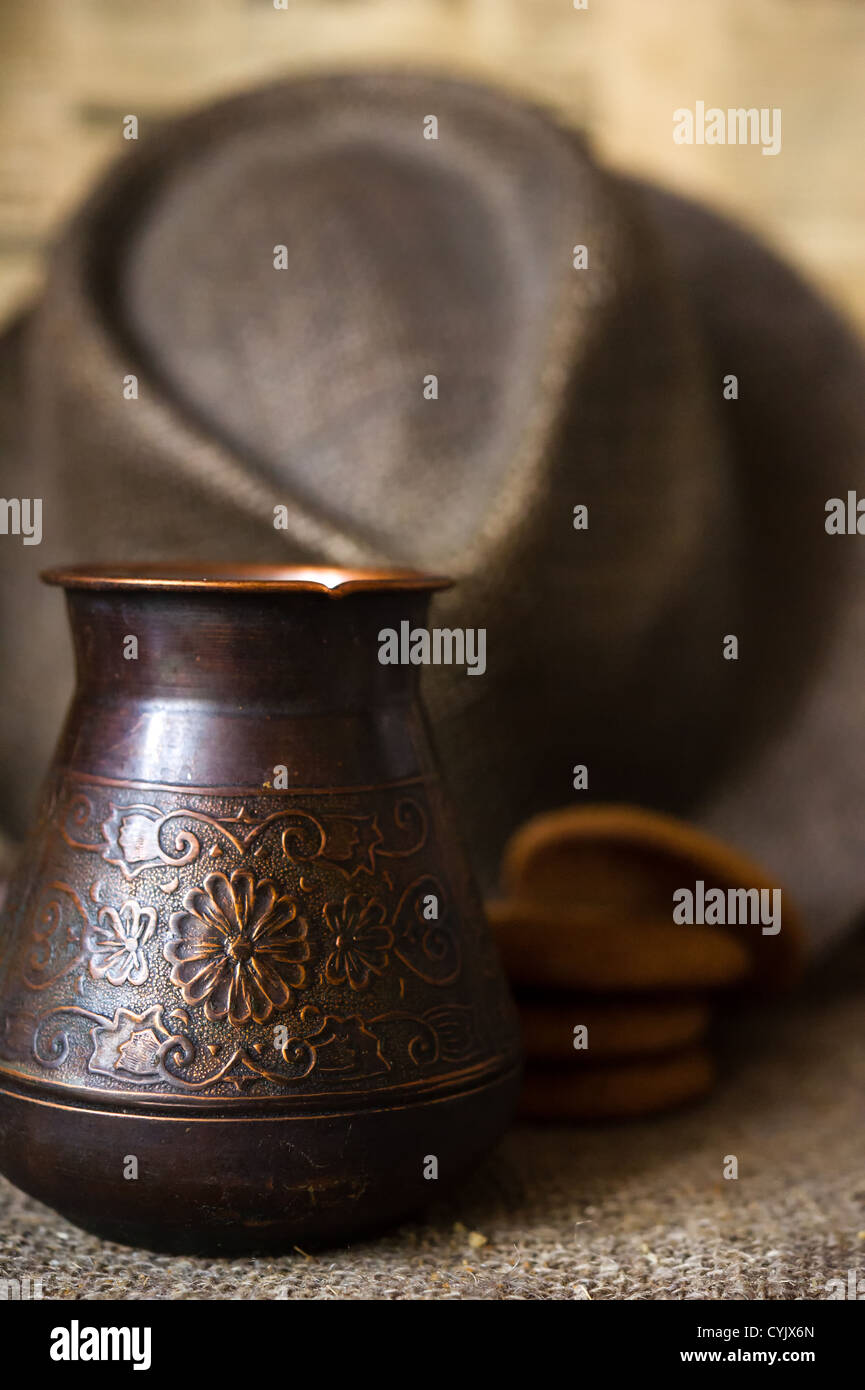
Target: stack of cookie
{"x": 615, "y": 992}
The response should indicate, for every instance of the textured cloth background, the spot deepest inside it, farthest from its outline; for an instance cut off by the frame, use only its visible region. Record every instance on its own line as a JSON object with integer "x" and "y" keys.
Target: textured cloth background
{"x": 637, "y": 1211}
{"x": 640, "y": 1211}
{"x": 70, "y": 70}
{"x": 302, "y": 390}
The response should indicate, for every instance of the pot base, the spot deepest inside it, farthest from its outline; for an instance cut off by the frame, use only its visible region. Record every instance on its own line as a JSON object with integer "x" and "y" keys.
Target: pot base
{"x": 246, "y": 1182}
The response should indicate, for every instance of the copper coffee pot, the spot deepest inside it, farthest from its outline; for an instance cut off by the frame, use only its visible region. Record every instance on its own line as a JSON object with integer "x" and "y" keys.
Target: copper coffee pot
{"x": 248, "y": 995}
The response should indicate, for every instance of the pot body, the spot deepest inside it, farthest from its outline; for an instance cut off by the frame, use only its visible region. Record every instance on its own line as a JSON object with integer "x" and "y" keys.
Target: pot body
{"x": 248, "y": 996}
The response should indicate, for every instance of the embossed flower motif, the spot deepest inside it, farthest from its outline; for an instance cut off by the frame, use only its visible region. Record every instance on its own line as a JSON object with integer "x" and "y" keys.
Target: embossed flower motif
{"x": 140, "y": 1054}
{"x": 116, "y": 943}
{"x": 233, "y": 948}
{"x": 131, "y": 836}
{"x": 362, "y": 941}
{"x": 129, "y": 1046}
{"x": 137, "y": 838}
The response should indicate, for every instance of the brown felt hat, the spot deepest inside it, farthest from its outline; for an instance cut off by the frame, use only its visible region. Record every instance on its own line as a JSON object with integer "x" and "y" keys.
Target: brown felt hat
{"x": 303, "y": 387}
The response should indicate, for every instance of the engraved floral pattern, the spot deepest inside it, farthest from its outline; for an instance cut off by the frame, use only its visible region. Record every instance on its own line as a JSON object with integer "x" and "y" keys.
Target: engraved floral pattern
{"x": 128, "y": 1047}
{"x": 138, "y": 836}
{"x": 363, "y": 941}
{"x": 238, "y": 948}
{"x": 209, "y": 897}
{"x": 117, "y": 941}
{"x": 131, "y": 839}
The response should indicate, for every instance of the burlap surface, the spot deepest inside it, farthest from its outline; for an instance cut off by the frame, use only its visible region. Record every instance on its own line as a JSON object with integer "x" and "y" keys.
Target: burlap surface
{"x": 637, "y": 1211}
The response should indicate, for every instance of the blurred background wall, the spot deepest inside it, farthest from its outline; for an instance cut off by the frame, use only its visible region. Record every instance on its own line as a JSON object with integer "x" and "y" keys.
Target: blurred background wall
{"x": 71, "y": 69}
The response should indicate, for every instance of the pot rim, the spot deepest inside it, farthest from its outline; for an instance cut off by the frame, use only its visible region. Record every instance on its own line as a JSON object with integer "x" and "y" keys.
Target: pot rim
{"x": 334, "y": 581}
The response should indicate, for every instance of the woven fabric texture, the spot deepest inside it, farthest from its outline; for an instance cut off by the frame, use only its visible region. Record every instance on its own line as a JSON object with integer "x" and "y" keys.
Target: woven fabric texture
{"x": 614, "y": 1212}
{"x": 303, "y": 388}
